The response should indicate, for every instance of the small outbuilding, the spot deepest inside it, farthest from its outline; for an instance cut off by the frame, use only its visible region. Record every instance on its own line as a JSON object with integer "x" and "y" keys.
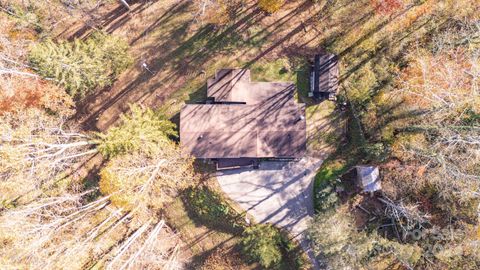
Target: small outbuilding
{"x": 324, "y": 77}
{"x": 368, "y": 178}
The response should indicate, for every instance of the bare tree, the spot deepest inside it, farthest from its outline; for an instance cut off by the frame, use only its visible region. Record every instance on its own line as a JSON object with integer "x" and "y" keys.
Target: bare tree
{"x": 148, "y": 180}
{"x": 125, "y": 4}
{"x": 12, "y": 56}
{"x": 214, "y": 12}
{"x": 54, "y": 232}
{"x": 36, "y": 149}
{"x": 407, "y": 217}
{"x": 444, "y": 87}
{"x": 147, "y": 248}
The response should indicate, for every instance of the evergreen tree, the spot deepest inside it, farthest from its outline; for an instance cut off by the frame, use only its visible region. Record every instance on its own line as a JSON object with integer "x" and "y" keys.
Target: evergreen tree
{"x": 141, "y": 129}
{"x": 262, "y": 243}
{"x": 81, "y": 66}
{"x": 37, "y": 148}
{"x": 146, "y": 168}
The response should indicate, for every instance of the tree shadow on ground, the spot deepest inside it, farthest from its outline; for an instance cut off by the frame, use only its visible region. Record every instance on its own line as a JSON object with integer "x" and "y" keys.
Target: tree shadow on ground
{"x": 109, "y": 21}
{"x": 227, "y": 253}
{"x": 206, "y": 44}
{"x": 207, "y": 208}
{"x": 195, "y": 51}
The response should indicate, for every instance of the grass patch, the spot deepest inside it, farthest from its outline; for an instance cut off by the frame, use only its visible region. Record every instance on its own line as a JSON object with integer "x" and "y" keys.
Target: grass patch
{"x": 199, "y": 238}
{"x": 303, "y": 85}
{"x": 216, "y": 228}
{"x": 212, "y": 210}
{"x": 325, "y": 183}
{"x": 209, "y": 223}
{"x": 195, "y": 89}
{"x": 325, "y": 127}
{"x": 256, "y": 36}
{"x": 278, "y": 70}
{"x": 345, "y": 157}
{"x": 283, "y": 70}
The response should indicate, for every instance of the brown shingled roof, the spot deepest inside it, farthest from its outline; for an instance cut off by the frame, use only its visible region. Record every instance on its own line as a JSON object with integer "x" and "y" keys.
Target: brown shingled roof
{"x": 270, "y": 124}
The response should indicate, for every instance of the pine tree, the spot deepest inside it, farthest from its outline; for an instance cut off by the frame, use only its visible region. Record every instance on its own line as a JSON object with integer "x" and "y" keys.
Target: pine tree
{"x": 51, "y": 221}
{"x": 140, "y": 129}
{"x": 81, "y": 66}
{"x": 262, "y": 243}
{"x": 37, "y": 148}
{"x": 146, "y": 168}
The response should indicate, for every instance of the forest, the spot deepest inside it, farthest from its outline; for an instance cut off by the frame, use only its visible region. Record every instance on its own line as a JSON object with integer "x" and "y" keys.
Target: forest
{"x": 92, "y": 175}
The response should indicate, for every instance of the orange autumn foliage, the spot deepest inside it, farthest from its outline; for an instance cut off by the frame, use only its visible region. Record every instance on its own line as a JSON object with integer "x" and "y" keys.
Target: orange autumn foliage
{"x": 386, "y": 7}
{"x": 35, "y": 93}
{"x": 441, "y": 80}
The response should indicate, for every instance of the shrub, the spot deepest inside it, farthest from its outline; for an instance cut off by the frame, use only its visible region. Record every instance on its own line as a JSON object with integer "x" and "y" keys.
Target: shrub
{"x": 325, "y": 182}
{"x": 375, "y": 152}
{"x": 209, "y": 206}
{"x": 262, "y": 243}
{"x": 270, "y": 6}
{"x": 326, "y": 197}
{"x": 25, "y": 15}
{"x": 80, "y": 66}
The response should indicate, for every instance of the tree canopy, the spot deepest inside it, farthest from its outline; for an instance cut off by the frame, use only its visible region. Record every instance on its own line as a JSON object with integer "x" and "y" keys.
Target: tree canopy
{"x": 261, "y": 243}
{"x": 140, "y": 129}
{"x": 270, "y": 6}
{"x": 81, "y": 66}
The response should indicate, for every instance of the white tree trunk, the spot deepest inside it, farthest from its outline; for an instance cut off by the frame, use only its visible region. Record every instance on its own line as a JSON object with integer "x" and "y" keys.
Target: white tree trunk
{"x": 125, "y": 4}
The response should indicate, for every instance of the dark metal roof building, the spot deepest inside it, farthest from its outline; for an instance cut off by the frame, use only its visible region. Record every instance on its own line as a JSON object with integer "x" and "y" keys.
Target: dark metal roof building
{"x": 324, "y": 77}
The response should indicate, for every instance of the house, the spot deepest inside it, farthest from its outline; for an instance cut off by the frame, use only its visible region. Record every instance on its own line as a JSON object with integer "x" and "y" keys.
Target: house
{"x": 324, "y": 77}
{"x": 242, "y": 122}
{"x": 368, "y": 178}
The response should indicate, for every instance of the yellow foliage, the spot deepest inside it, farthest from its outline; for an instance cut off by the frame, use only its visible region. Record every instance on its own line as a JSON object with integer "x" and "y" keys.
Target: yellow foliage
{"x": 113, "y": 186}
{"x": 362, "y": 83}
{"x": 146, "y": 180}
{"x": 270, "y": 6}
{"x": 459, "y": 9}
{"x": 404, "y": 142}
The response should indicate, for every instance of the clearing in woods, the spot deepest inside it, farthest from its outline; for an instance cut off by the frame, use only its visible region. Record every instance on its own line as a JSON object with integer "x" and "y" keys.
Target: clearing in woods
{"x": 174, "y": 55}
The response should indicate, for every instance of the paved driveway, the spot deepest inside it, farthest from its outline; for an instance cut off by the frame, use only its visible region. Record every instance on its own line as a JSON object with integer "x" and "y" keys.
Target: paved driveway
{"x": 278, "y": 192}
